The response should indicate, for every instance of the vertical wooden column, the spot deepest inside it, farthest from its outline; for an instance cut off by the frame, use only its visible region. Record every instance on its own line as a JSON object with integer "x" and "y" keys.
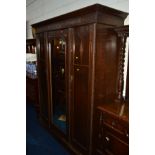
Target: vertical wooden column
{"x": 123, "y": 33}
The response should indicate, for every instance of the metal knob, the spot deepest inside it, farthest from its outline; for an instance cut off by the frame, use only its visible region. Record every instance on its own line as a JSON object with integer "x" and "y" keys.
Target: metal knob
{"x": 77, "y": 69}
{"x": 107, "y": 139}
{"x": 76, "y": 58}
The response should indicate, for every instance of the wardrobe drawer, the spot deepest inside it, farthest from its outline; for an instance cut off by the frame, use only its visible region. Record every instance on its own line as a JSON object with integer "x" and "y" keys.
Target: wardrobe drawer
{"x": 116, "y": 125}
{"x": 112, "y": 145}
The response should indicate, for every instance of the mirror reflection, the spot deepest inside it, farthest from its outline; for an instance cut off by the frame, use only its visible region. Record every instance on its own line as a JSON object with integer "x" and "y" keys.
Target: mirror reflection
{"x": 58, "y": 83}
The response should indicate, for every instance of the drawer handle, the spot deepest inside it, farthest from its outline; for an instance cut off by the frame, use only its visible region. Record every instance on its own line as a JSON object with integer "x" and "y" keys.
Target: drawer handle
{"x": 107, "y": 139}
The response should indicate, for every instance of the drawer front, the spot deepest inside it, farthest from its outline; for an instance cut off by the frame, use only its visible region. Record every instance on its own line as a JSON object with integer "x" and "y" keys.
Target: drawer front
{"x": 112, "y": 135}
{"x": 113, "y": 145}
{"x": 116, "y": 125}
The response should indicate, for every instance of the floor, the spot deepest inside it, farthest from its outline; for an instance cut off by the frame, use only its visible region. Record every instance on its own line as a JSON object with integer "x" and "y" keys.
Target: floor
{"x": 38, "y": 140}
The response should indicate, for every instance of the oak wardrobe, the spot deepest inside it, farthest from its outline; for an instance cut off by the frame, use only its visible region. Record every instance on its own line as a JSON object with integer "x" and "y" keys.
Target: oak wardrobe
{"x": 78, "y": 63}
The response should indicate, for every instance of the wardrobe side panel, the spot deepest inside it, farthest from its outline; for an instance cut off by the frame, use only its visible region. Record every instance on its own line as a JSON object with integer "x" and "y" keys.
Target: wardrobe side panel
{"x": 106, "y": 61}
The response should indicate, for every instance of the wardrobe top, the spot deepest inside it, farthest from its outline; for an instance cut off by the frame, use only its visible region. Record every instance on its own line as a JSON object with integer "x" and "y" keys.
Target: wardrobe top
{"x": 97, "y": 12}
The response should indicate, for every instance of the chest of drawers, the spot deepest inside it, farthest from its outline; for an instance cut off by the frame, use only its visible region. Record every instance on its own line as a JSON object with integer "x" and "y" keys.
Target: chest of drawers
{"x": 112, "y": 134}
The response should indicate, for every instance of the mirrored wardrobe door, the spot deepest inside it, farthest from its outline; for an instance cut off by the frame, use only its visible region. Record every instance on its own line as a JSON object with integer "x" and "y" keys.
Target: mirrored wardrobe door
{"x": 57, "y": 53}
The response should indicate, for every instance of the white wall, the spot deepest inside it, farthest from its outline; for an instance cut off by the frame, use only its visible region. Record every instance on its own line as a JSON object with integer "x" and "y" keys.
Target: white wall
{"x": 39, "y": 10}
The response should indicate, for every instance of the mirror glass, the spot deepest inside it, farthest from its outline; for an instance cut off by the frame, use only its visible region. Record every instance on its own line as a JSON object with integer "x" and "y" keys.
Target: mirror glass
{"x": 58, "y": 50}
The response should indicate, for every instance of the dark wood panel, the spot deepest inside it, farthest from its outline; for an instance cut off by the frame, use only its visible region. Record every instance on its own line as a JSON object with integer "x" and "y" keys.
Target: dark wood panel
{"x": 43, "y": 95}
{"x": 32, "y": 89}
{"x": 81, "y": 108}
{"x": 42, "y": 75}
{"x": 106, "y": 65}
{"x": 81, "y": 54}
{"x": 41, "y": 48}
